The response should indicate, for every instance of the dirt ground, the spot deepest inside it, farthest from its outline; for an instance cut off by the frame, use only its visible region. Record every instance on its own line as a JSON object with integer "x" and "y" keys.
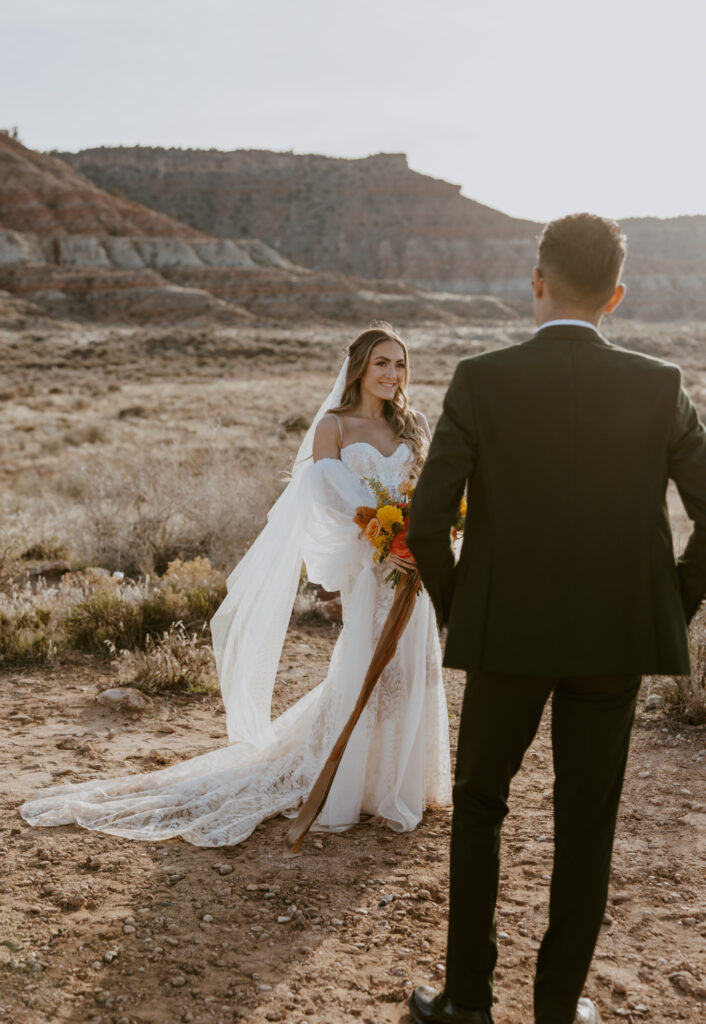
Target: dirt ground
{"x": 108, "y": 930}
{"x": 99, "y": 929}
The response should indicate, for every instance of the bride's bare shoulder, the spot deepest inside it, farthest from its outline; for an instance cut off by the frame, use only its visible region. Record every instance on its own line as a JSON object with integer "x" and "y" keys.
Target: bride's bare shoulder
{"x": 422, "y": 422}
{"x": 327, "y": 439}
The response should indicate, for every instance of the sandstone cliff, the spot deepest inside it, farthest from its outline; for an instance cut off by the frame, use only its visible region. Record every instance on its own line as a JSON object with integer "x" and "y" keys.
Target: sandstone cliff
{"x": 377, "y": 218}
{"x": 93, "y": 255}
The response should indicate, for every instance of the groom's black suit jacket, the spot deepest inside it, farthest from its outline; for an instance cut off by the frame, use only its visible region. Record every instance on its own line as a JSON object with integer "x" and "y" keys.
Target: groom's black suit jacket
{"x": 564, "y": 444}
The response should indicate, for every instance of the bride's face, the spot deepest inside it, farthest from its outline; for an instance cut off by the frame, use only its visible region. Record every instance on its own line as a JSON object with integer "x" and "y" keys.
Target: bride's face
{"x": 385, "y": 370}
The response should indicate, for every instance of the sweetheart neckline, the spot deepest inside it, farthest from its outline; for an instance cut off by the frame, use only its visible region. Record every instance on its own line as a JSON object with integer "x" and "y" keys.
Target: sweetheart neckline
{"x": 352, "y": 444}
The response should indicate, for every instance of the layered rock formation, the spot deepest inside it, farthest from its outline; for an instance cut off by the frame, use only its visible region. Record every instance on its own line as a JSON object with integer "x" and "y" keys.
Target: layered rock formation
{"x": 377, "y": 218}
{"x": 372, "y": 217}
{"x": 73, "y": 250}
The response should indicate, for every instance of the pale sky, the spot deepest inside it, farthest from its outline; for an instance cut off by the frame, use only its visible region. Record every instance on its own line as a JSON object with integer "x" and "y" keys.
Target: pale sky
{"x": 537, "y": 109}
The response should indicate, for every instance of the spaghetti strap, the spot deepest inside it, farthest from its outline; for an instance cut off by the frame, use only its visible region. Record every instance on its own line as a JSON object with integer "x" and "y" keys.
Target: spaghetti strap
{"x": 340, "y": 428}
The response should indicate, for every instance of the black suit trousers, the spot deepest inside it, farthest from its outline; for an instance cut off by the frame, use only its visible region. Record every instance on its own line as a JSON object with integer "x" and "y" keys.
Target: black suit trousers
{"x": 592, "y": 720}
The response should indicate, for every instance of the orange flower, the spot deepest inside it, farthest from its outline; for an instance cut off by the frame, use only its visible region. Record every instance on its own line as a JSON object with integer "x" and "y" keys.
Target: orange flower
{"x": 363, "y": 515}
{"x": 399, "y": 546}
{"x": 372, "y": 529}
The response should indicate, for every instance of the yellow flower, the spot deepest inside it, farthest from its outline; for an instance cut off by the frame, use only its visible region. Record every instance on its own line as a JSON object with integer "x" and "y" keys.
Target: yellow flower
{"x": 388, "y": 515}
{"x": 463, "y": 507}
{"x": 406, "y": 488}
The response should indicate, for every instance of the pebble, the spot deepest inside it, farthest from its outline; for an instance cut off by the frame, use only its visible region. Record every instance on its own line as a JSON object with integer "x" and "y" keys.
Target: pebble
{"x": 225, "y": 869}
{"x": 264, "y": 988}
{"x": 645, "y": 775}
{"x": 109, "y": 956}
{"x": 621, "y": 897}
{"x": 423, "y": 894}
{"x": 207, "y": 918}
{"x": 273, "y": 1015}
{"x": 173, "y": 879}
{"x": 178, "y": 981}
{"x": 607, "y": 919}
{"x": 654, "y": 702}
{"x": 619, "y": 988}
{"x": 283, "y": 919}
{"x": 128, "y": 929}
{"x": 251, "y": 887}
{"x": 96, "y": 965}
{"x": 336, "y": 922}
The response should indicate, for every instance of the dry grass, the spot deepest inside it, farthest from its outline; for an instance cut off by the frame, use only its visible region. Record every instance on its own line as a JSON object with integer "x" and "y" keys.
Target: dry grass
{"x": 102, "y": 613}
{"x": 174, "y": 661}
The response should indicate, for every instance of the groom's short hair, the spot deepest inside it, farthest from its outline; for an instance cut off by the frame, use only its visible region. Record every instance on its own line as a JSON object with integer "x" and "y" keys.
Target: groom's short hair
{"x": 582, "y": 256}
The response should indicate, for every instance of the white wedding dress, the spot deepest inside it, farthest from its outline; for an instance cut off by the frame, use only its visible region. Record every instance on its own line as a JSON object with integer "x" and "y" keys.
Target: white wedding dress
{"x": 397, "y": 761}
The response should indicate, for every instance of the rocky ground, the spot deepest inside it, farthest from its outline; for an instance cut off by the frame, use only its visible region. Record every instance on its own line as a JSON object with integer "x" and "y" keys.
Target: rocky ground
{"x": 107, "y": 930}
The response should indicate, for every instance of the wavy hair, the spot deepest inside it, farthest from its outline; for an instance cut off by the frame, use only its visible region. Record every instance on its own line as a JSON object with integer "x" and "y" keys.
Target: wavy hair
{"x": 396, "y": 410}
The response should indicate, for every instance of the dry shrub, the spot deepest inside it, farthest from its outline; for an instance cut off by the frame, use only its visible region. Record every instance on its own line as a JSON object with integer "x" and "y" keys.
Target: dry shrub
{"x": 101, "y": 613}
{"x": 685, "y": 696}
{"x": 140, "y": 516}
{"x": 175, "y": 661}
{"x": 26, "y": 628}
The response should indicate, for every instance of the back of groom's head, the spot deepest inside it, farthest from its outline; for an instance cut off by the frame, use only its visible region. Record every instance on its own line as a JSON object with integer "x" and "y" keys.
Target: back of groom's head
{"x": 581, "y": 257}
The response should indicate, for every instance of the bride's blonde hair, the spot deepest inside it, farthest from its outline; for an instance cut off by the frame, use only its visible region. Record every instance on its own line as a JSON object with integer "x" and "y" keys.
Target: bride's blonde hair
{"x": 397, "y": 411}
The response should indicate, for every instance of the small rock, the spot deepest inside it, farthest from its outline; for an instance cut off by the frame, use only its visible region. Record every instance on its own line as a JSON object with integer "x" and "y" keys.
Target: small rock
{"x": 607, "y": 919}
{"x": 225, "y": 869}
{"x": 336, "y": 922}
{"x": 682, "y": 980}
{"x": 207, "y": 918}
{"x": 128, "y": 929}
{"x": 645, "y": 774}
{"x": 273, "y": 1015}
{"x": 178, "y": 981}
{"x": 109, "y": 956}
{"x": 124, "y": 698}
{"x": 283, "y": 919}
{"x": 251, "y": 887}
{"x": 173, "y": 879}
{"x": 264, "y": 988}
{"x": 619, "y": 988}
{"x": 621, "y": 897}
{"x": 654, "y": 702}
{"x": 423, "y": 894}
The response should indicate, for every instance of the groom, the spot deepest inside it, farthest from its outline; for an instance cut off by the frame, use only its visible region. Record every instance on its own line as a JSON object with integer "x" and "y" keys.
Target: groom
{"x": 566, "y": 588}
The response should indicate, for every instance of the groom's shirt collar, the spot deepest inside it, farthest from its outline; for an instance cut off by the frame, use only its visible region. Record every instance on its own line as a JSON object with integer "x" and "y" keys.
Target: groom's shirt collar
{"x": 572, "y": 323}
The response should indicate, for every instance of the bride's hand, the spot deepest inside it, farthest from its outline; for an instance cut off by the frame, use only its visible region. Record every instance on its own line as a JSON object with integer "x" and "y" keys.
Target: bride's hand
{"x": 403, "y": 564}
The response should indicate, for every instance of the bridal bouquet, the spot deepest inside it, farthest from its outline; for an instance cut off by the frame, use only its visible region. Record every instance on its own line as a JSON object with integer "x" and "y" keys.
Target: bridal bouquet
{"x": 385, "y": 525}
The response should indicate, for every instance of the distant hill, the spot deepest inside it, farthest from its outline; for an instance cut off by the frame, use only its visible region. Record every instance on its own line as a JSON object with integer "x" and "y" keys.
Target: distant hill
{"x": 377, "y": 218}
{"x": 72, "y": 249}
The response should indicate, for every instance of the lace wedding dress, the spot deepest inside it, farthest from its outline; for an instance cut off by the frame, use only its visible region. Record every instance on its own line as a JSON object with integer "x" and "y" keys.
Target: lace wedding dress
{"x": 397, "y": 761}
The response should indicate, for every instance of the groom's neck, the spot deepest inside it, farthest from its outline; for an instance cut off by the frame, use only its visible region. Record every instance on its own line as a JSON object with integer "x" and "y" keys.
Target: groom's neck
{"x": 543, "y": 316}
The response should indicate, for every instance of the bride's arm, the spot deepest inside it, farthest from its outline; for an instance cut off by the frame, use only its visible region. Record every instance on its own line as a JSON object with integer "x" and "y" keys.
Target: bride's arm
{"x": 327, "y": 441}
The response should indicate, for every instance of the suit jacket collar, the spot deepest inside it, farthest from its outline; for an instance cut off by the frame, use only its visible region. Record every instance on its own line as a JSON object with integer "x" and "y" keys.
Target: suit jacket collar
{"x": 569, "y": 332}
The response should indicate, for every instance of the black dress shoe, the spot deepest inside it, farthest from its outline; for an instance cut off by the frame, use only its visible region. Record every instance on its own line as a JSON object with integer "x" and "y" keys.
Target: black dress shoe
{"x": 430, "y": 1007}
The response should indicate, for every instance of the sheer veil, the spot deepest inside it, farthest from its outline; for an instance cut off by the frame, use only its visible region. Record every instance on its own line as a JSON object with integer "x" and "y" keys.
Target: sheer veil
{"x": 249, "y": 628}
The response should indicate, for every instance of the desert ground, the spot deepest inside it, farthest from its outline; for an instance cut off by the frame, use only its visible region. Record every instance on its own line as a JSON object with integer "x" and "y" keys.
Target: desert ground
{"x": 125, "y": 447}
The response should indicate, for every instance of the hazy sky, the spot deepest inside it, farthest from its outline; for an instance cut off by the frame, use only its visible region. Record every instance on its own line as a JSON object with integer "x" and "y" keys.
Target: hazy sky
{"x": 537, "y": 109}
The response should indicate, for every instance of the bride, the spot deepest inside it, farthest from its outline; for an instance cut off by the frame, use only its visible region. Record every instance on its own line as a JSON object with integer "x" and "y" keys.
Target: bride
{"x": 397, "y": 760}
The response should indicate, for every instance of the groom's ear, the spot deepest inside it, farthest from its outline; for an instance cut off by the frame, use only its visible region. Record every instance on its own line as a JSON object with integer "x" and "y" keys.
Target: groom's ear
{"x": 537, "y": 283}
{"x": 615, "y": 299}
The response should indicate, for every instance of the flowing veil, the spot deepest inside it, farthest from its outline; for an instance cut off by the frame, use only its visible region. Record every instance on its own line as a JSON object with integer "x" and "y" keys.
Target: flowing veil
{"x": 249, "y": 628}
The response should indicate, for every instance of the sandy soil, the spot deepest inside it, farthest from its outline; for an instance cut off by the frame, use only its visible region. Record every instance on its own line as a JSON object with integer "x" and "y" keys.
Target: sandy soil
{"x": 101, "y": 929}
